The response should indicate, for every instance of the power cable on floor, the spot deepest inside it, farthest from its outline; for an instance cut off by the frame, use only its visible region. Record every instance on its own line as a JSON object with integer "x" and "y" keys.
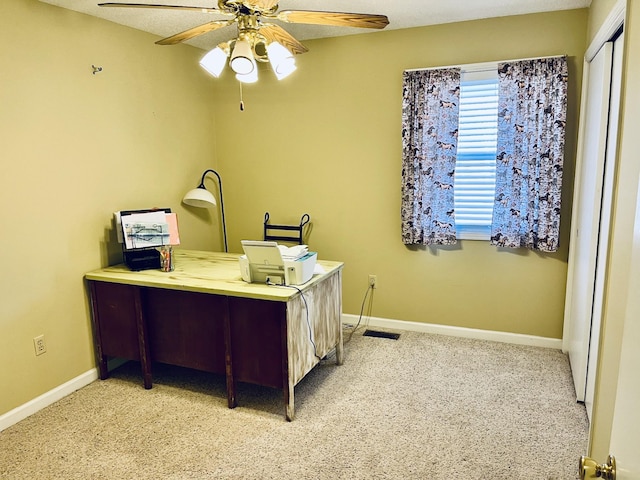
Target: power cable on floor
{"x": 370, "y": 307}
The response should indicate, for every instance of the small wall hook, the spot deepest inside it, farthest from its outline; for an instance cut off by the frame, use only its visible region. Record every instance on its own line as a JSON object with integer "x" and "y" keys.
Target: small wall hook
{"x": 96, "y": 69}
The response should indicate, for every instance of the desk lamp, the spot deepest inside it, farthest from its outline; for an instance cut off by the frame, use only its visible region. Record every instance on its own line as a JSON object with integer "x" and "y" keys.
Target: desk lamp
{"x": 203, "y": 198}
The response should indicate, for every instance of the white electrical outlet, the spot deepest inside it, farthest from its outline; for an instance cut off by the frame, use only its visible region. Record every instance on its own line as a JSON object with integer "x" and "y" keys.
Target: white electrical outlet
{"x": 373, "y": 280}
{"x": 39, "y": 345}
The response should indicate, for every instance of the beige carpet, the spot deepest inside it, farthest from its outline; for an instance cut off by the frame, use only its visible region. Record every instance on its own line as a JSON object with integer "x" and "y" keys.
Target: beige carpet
{"x": 421, "y": 407}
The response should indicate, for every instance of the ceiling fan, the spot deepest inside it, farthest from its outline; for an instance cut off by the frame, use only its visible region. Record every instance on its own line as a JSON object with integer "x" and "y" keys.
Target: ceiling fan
{"x": 257, "y": 39}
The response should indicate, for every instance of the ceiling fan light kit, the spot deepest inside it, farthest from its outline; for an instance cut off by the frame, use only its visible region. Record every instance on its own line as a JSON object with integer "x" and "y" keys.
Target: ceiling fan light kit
{"x": 243, "y": 60}
{"x": 257, "y": 39}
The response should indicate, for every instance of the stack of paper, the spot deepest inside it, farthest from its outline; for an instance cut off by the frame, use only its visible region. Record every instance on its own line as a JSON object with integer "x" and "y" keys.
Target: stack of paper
{"x": 293, "y": 253}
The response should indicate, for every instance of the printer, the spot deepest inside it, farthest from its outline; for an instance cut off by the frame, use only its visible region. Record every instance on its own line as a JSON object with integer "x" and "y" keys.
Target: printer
{"x": 268, "y": 262}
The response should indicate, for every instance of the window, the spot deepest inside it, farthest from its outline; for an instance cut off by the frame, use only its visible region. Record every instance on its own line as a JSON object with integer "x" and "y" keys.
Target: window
{"x": 475, "y": 177}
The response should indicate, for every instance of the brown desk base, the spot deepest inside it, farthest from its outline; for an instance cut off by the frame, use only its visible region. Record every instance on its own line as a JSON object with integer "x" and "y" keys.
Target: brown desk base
{"x": 258, "y": 341}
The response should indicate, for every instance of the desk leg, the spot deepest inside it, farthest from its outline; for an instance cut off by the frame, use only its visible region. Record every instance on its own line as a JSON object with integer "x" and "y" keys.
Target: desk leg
{"x": 232, "y": 401}
{"x": 143, "y": 343}
{"x": 289, "y": 407}
{"x": 102, "y": 360}
{"x": 287, "y": 380}
{"x": 338, "y": 312}
{"x": 340, "y": 346}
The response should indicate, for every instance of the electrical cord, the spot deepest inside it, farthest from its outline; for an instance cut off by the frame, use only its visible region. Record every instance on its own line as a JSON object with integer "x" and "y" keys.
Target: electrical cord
{"x": 306, "y": 306}
{"x": 369, "y": 289}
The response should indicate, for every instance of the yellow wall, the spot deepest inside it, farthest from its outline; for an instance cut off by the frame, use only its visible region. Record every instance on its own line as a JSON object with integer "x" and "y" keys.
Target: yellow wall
{"x": 75, "y": 147}
{"x": 626, "y": 191}
{"x": 326, "y": 141}
{"x": 598, "y": 12}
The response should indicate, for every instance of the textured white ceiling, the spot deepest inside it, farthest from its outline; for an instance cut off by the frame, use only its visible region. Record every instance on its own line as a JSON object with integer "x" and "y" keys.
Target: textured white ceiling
{"x": 401, "y": 14}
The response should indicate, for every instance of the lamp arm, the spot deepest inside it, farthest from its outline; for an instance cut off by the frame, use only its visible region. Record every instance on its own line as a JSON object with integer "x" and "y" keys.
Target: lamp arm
{"x": 224, "y": 223}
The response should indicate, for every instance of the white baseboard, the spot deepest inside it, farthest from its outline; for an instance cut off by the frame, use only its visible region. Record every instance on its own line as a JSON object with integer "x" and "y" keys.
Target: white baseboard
{"x": 23, "y": 411}
{"x": 503, "y": 337}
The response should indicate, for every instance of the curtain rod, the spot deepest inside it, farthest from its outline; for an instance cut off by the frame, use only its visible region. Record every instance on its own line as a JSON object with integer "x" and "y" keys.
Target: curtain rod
{"x": 480, "y": 67}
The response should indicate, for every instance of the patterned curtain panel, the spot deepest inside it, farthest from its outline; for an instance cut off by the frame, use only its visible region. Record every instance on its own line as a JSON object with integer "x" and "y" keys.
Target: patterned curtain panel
{"x": 531, "y": 135}
{"x": 430, "y": 100}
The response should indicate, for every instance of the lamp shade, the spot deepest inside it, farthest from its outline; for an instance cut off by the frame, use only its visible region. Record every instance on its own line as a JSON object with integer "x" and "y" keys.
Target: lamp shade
{"x": 242, "y": 61}
{"x": 281, "y": 59}
{"x": 213, "y": 62}
{"x": 249, "y": 77}
{"x": 200, "y": 197}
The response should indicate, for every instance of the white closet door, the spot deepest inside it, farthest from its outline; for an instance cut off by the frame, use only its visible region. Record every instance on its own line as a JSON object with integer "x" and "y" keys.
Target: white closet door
{"x": 585, "y": 223}
{"x": 605, "y": 221}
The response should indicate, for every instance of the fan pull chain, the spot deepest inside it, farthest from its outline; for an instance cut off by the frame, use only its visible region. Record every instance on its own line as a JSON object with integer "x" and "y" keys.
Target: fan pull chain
{"x": 241, "y": 102}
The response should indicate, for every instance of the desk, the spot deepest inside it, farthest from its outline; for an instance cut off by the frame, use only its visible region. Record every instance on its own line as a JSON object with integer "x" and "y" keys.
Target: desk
{"x": 204, "y": 316}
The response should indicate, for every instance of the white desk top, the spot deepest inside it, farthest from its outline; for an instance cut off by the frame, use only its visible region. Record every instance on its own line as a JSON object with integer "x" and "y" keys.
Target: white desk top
{"x": 206, "y": 272}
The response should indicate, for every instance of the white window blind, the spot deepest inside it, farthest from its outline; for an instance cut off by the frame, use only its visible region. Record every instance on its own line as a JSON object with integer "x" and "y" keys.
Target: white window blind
{"x": 475, "y": 177}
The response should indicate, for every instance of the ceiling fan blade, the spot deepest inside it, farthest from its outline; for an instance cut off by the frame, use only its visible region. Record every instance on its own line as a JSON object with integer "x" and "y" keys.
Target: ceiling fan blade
{"x": 360, "y": 20}
{"x": 275, "y": 33}
{"x": 263, "y": 5}
{"x": 168, "y": 7}
{"x": 194, "y": 32}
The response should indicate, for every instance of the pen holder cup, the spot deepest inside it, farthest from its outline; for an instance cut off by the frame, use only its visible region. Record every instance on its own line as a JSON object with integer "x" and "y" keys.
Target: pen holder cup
{"x": 166, "y": 258}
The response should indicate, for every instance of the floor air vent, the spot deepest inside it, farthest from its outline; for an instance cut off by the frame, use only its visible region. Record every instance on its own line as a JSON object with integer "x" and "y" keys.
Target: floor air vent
{"x": 377, "y": 334}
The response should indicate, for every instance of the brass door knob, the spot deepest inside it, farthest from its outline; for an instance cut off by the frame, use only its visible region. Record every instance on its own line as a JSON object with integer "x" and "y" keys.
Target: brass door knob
{"x": 590, "y": 469}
